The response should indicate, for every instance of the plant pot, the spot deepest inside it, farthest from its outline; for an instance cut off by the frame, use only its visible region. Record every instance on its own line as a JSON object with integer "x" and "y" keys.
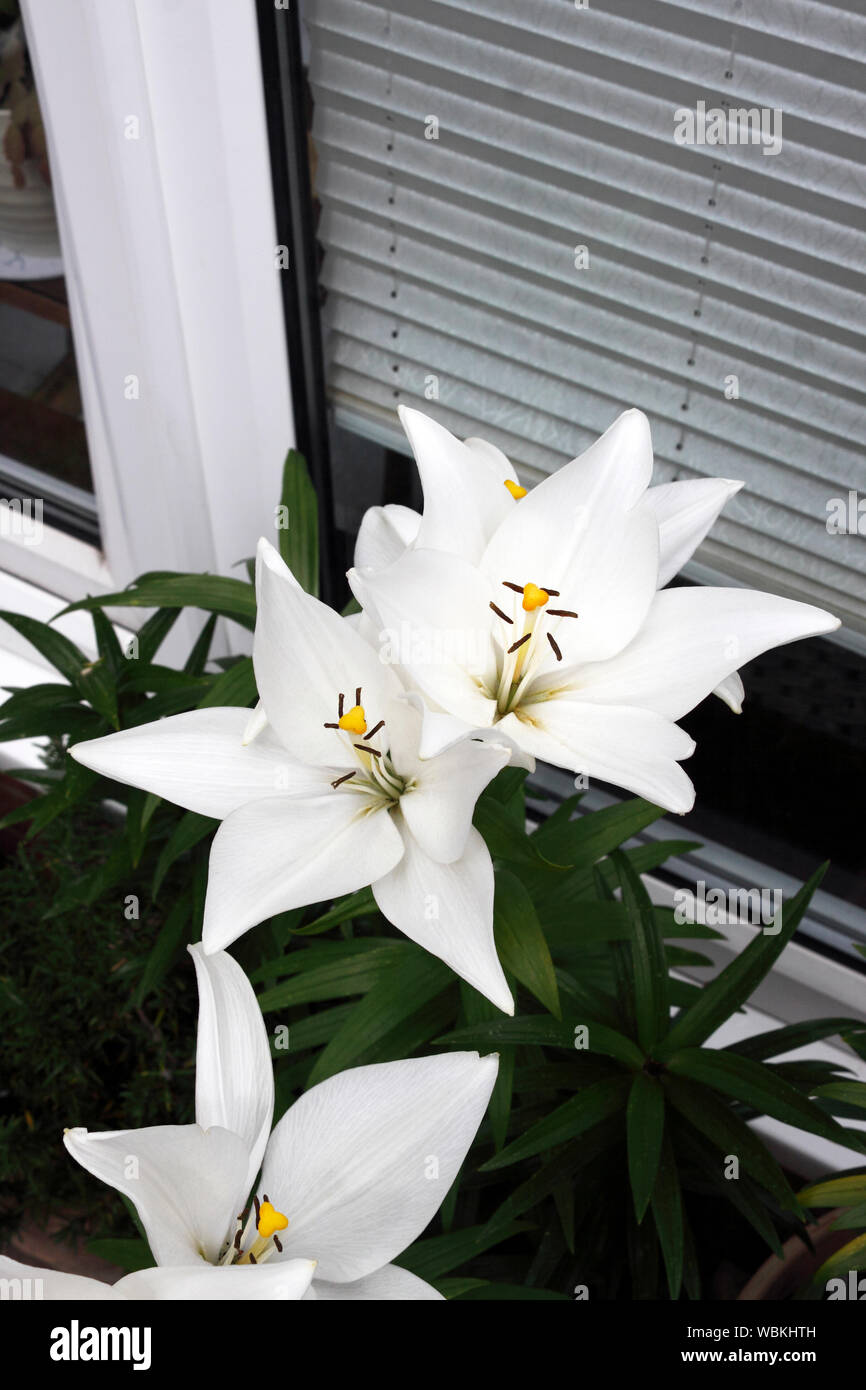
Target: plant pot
{"x": 779, "y": 1279}
{"x": 28, "y": 221}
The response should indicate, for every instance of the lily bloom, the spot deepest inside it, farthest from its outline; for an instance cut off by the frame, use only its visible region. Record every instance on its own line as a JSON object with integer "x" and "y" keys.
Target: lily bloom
{"x": 559, "y": 635}
{"x": 331, "y": 794}
{"x": 352, "y": 1174}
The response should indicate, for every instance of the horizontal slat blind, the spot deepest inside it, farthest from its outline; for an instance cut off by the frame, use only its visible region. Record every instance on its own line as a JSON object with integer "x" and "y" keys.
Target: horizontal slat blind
{"x": 454, "y": 258}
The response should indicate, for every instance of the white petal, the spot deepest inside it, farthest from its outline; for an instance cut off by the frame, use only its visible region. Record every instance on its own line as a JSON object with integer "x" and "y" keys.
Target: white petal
{"x": 387, "y": 1284}
{"x": 305, "y": 655}
{"x": 257, "y": 723}
{"x": 465, "y": 497}
{"x": 360, "y": 1163}
{"x": 234, "y": 1077}
{"x": 556, "y": 535}
{"x": 187, "y": 1184}
{"x": 198, "y": 761}
{"x": 692, "y": 640}
{"x": 632, "y": 748}
{"x": 732, "y": 691}
{"x": 448, "y": 909}
{"x": 685, "y": 512}
{"x": 434, "y": 619}
{"x": 285, "y": 852}
{"x": 51, "y": 1285}
{"x": 439, "y": 808}
{"x": 286, "y": 1281}
{"x": 384, "y": 533}
{"x": 440, "y": 731}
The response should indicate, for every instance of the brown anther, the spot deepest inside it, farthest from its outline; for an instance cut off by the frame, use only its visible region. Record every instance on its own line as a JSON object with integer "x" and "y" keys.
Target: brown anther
{"x": 257, "y": 1205}
{"x": 561, "y": 613}
{"x": 518, "y": 588}
{"x": 519, "y": 643}
{"x": 330, "y": 726}
{"x": 340, "y": 780}
{"x": 551, "y": 593}
{"x": 358, "y": 695}
{"x": 499, "y": 613}
{"x": 275, "y": 1238}
{"x": 374, "y": 752}
{"x": 556, "y": 652}
{"x": 340, "y": 702}
{"x": 375, "y": 729}
{"x": 252, "y": 1259}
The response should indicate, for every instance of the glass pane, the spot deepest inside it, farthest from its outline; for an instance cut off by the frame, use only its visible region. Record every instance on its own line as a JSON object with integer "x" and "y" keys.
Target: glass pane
{"x": 43, "y": 446}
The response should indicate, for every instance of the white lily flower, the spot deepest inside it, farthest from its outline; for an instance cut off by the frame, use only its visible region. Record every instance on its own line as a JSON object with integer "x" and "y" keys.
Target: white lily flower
{"x": 685, "y": 511}
{"x": 329, "y": 793}
{"x": 558, "y": 636}
{"x": 351, "y": 1175}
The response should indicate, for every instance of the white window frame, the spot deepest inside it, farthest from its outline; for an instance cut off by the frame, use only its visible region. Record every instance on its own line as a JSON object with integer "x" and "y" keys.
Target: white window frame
{"x": 169, "y": 246}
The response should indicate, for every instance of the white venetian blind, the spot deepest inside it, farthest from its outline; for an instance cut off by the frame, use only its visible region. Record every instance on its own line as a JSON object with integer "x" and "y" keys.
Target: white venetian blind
{"x": 454, "y": 258}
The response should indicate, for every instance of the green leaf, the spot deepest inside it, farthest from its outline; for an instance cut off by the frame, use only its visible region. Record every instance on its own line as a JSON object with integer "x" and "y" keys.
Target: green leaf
{"x": 719, "y": 999}
{"x": 756, "y": 1085}
{"x": 438, "y": 1255}
{"x": 848, "y": 1190}
{"x": 477, "y": 1010}
{"x": 236, "y": 686}
{"x": 162, "y": 680}
{"x": 575, "y": 1116}
{"x": 851, "y": 1092}
{"x": 336, "y": 980}
{"x": 403, "y": 988}
{"x": 107, "y": 644}
{"x": 851, "y": 1256}
{"x": 586, "y": 839}
{"x": 152, "y": 634}
{"x": 648, "y": 958}
{"x": 189, "y": 831}
{"x": 130, "y": 1255}
{"x": 520, "y": 941}
{"x": 667, "y": 1208}
{"x": 778, "y": 1040}
{"x": 732, "y": 1137}
{"x": 169, "y": 940}
{"x": 213, "y": 593}
{"x": 504, "y": 838}
{"x": 645, "y": 1126}
{"x": 197, "y": 659}
{"x": 560, "y": 1168}
{"x": 299, "y": 540}
{"x": 62, "y": 654}
{"x": 360, "y": 904}
{"x": 744, "y": 1194}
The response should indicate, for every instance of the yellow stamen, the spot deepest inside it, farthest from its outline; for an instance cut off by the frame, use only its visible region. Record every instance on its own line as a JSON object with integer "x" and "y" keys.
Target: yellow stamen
{"x": 354, "y": 720}
{"x": 270, "y": 1220}
{"x": 515, "y": 489}
{"x": 533, "y": 597}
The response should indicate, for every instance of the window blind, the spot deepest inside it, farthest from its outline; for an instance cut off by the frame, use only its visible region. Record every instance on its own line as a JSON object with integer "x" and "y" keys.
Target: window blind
{"x": 515, "y": 240}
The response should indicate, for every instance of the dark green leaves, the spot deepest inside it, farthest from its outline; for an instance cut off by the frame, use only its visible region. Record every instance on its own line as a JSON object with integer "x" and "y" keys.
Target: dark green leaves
{"x": 760, "y": 1088}
{"x": 298, "y": 523}
{"x": 645, "y": 1124}
{"x": 520, "y": 941}
{"x": 724, "y": 995}
{"x": 649, "y": 968}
